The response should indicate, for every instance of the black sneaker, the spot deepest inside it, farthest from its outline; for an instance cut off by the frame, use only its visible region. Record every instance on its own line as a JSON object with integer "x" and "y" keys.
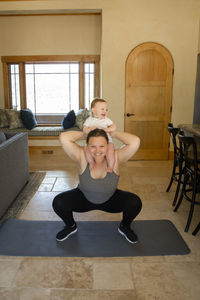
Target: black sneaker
{"x": 128, "y": 233}
{"x": 66, "y": 232}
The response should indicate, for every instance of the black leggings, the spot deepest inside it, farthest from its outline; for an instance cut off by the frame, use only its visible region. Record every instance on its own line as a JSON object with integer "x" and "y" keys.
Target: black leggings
{"x": 64, "y": 204}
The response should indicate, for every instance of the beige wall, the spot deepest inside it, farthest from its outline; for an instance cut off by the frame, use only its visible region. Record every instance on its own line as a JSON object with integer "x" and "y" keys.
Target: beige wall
{"x": 163, "y": 22}
{"x": 127, "y": 23}
{"x": 54, "y": 35}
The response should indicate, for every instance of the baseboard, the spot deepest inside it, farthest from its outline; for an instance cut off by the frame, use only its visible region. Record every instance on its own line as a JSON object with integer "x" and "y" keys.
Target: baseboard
{"x": 57, "y": 150}
{"x": 49, "y": 158}
{"x": 46, "y": 150}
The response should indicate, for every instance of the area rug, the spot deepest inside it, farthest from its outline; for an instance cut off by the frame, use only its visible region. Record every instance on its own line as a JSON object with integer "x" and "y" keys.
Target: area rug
{"x": 93, "y": 239}
{"x": 27, "y": 193}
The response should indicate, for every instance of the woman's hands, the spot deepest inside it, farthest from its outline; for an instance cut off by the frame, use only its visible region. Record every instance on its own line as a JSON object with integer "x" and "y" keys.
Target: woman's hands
{"x": 131, "y": 145}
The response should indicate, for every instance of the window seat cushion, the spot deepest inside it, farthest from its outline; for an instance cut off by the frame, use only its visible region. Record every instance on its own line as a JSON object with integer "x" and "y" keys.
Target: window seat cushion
{"x": 40, "y": 130}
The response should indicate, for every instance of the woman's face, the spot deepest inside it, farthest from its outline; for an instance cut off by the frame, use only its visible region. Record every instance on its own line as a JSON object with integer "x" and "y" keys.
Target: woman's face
{"x": 97, "y": 147}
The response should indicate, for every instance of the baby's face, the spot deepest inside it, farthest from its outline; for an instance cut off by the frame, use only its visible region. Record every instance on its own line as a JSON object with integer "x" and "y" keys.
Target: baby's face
{"x": 100, "y": 110}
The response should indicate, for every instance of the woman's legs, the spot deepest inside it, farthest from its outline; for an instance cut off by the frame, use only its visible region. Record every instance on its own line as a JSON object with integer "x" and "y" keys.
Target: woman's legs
{"x": 66, "y": 203}
{"x": 127, "y": 203}
{"x": 73, "y": 200}
{"x": 130, "y": 205}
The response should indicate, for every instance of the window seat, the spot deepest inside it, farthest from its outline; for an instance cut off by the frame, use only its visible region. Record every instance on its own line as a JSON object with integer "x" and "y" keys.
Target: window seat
{"x": 40, "y": 132}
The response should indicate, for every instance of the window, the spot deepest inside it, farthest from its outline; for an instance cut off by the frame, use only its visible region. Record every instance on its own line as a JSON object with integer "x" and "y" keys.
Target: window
{"x": 50, "y": 86}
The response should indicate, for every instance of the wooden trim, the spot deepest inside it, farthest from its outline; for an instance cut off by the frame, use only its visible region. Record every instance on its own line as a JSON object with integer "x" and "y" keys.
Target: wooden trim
{"x": 6, "y": 85}
{"x": 46, "y": 14}
{"x": 39, "y": 149}
{"x": 17, "y": 0}
{"x": 97, "y": 79}
{"x": 42, "y": 137}
{"x": 81, "y": 85}
{"x": 22, "y": 85}
{"x": 50, "y": 58}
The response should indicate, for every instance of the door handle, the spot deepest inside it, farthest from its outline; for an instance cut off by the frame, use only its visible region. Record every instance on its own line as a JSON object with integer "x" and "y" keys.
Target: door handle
{"x": 128, "y": 114}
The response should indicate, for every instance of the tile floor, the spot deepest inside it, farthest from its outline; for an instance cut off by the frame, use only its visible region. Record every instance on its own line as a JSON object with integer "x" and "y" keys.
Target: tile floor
{"x": 141, "y": 278}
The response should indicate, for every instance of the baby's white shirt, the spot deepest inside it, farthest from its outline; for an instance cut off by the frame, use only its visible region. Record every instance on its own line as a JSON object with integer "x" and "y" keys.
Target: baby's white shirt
{"x": 99, "y": 123}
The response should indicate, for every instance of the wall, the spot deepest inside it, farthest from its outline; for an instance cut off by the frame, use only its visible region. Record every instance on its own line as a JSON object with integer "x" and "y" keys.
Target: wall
{"x": 35, "y": 35}
{"x": 169, "y": 23}
{"x": 127, "y": 23}
{"x": 196, "y": 117}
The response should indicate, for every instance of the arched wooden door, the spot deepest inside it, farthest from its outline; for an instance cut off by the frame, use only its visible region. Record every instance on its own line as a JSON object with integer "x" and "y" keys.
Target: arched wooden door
{"x": 149, "y": 78}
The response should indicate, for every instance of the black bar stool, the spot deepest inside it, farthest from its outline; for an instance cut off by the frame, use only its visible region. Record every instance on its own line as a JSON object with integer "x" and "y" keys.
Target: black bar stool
{"x": 196, "y": 229}
{"x": 177, "y": 170}
{"x": 191, "y": 182}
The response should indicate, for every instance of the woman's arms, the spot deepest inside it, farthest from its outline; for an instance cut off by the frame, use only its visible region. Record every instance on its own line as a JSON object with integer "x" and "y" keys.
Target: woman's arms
{"x": 75, "y": 152}
{"x": 68, "y": 141}
{"x": 131, "y": 145}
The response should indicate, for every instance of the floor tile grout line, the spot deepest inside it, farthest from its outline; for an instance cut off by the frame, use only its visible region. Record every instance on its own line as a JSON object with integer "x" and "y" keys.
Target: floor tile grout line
{"x": 54, "y": 183}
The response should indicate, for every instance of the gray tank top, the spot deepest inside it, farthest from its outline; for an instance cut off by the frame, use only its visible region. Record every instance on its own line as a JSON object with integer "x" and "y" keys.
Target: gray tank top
{"x": 97, "y": 190}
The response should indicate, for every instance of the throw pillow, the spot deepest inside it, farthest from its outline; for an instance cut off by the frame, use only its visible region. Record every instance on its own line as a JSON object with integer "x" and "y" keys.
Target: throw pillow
{"x": 2, "y": 137}
{"x": 69, "y": 120}
{"x": 28, "y": 118}
{"x": 14, "y": 118}
{"x": 3, "y": 118}
{"x": 81, "y": 116}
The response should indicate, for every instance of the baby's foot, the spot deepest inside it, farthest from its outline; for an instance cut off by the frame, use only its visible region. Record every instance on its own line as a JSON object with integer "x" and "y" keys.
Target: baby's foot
{"x": 89, "y": 157}
{"x": 92, "y": 164}
{"x": 110, "y": 162}
{"x": 109, "y": 170}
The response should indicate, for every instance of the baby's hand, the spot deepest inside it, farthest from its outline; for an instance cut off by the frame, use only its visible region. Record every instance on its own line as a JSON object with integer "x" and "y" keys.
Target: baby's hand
{"x": 111, "y": 128}
{"x": 86, "y": 129}
{"x": 107, "y": 129}
{"x": 92, "y": 128}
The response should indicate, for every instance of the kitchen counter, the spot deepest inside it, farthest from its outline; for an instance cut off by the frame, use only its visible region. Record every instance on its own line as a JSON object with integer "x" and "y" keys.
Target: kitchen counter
{"x": 193, "y": 129}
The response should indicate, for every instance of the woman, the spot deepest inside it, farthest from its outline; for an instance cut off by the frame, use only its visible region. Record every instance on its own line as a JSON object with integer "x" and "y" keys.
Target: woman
{"x": 97, "y": 189}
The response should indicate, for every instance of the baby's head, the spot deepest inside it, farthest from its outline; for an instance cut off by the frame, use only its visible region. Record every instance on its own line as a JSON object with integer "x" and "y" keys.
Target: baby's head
{"x": 99, "y": 108}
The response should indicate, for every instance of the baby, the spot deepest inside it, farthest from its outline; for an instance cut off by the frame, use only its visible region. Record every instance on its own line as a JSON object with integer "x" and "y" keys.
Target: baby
{"x": 99, "y": 120}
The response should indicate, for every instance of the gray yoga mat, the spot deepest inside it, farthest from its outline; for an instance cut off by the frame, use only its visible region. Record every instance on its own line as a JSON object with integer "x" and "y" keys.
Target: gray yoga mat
{"x": 93, "y": 239}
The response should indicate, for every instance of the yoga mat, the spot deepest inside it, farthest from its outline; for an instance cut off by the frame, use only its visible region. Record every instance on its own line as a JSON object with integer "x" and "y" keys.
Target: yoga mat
{"x": 93, "y": 239}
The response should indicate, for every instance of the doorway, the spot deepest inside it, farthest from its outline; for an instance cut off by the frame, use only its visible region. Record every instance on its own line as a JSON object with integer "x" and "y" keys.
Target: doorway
{"x": 148, "y": 102}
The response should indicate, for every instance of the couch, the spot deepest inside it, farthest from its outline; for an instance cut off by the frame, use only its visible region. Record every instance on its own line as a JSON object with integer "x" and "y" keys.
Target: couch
{"x": 40, "y": 131}
{"x": 14, "y": 167}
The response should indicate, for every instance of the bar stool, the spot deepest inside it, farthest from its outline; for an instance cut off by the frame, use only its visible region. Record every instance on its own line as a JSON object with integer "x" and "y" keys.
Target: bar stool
{"x": 196, "y": 229}
{"x": 191, "y": 182}
{"x": 177, "y": 170}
